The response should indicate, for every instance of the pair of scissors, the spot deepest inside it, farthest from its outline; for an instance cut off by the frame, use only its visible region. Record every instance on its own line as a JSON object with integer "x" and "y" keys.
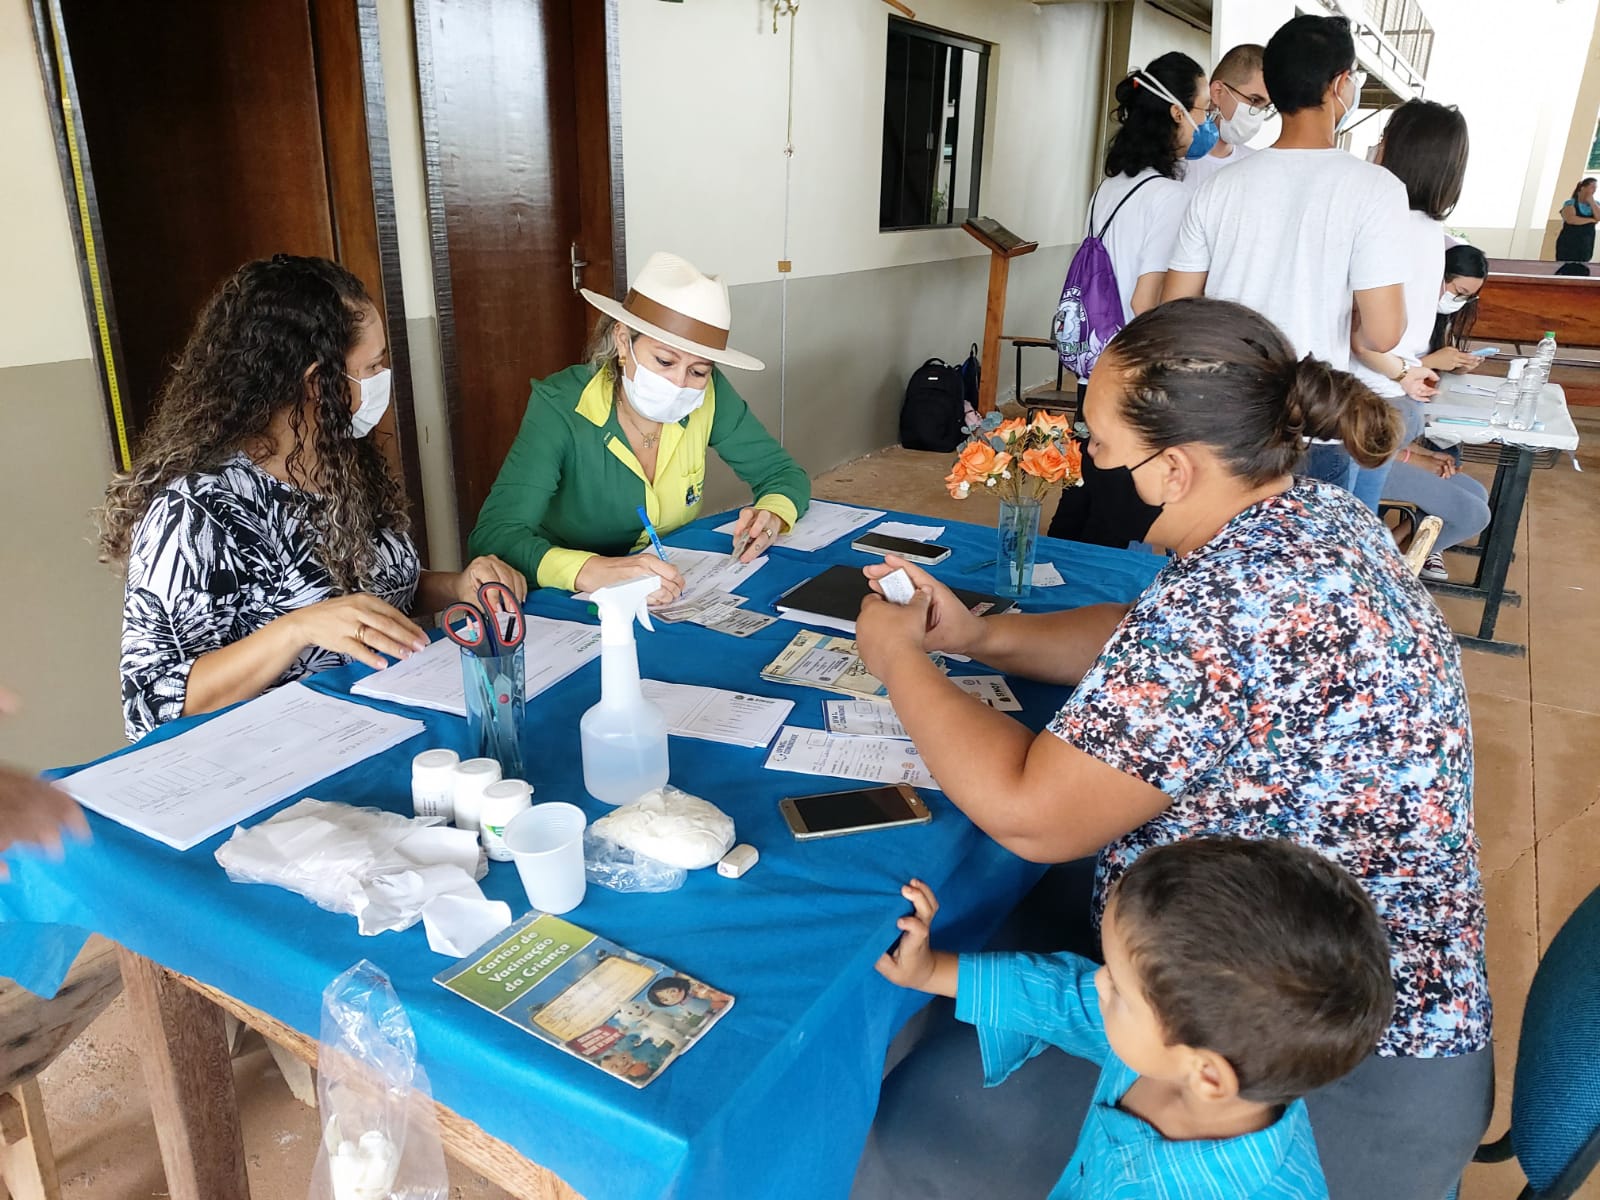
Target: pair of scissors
{"x": 491, "y": 629}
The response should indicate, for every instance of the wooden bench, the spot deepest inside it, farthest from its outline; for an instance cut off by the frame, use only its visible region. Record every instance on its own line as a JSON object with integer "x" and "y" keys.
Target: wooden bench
{"x": 1522, "y": 298}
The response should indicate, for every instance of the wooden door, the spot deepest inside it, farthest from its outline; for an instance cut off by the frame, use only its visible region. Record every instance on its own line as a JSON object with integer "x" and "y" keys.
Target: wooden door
{"x": 521, "y": 146}
{"x": 204, "y": 135}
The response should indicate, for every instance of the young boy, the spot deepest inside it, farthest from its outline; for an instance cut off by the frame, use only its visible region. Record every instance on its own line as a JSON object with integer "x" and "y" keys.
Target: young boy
{"x": 1239, "y": 976}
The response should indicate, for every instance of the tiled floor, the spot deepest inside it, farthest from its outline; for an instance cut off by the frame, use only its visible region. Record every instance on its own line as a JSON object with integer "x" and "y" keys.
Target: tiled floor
{"x": 1537, "y": 727}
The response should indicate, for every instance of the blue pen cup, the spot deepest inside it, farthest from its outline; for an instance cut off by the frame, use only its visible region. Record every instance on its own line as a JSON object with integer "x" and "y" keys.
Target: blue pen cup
{"x": 494, "y": 686}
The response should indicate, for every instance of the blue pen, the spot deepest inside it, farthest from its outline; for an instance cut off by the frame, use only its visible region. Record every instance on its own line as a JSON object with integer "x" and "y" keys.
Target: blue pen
{"x": 651, "y": 530}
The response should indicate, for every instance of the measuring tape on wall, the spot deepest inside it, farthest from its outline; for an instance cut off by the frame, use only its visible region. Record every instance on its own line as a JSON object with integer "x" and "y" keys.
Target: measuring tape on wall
{"x": 91, "y": 258}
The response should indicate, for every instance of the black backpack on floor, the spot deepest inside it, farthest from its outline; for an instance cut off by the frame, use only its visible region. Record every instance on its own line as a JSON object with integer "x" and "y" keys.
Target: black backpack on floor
{"x": 935, "y": 407}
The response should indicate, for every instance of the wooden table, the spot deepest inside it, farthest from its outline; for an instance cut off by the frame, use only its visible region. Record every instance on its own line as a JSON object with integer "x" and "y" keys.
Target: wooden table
{"x": 179, "y": 1027}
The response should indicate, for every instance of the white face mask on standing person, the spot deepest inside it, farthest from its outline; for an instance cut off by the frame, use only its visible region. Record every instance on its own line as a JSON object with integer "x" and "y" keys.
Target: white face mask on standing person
{"x": 1245, "y": 123}
{"x": 656, "y": 398}
{"x": 374, "y": 401}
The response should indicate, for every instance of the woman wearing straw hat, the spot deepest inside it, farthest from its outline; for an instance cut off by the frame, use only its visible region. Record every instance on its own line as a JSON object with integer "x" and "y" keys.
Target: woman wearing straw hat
{"x": 628, "y": 429}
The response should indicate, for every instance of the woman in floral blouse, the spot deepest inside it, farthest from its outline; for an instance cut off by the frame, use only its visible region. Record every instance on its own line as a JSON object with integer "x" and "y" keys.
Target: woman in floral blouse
{"x": 1283, "y": 676}
{"x": 264, "y": 536}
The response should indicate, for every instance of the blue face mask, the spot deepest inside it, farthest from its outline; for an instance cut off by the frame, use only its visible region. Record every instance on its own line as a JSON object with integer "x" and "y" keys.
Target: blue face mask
{"x": 1205, "y": 138}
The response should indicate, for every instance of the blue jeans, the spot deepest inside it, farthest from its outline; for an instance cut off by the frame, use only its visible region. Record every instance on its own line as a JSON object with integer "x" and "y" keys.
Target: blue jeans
{"x": 1370, "y": 482}
{"x": 1331, "y": 464}
{"x": 1461, "y": 502}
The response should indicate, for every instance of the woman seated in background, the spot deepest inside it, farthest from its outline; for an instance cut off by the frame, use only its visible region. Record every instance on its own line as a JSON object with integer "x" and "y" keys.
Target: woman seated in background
{"x": 1136, "y": 211}
{"x": 265, "y": 538}
{"x": 629, "y": 430}
{"x": 1575, "y": 242}
{"x": 1424, "y": 475}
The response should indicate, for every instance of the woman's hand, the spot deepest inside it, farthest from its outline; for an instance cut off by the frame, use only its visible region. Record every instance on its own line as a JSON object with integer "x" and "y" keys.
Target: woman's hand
{"x": 601, "y": 572}
{"x": 1448, "y": 358}
{"x": 1442, "y": 465}
{"x": 948, "y": 625}
{"x": 1420, "y": 383}
{"x": 360, "y": 626}
{"x": 758, "y": 528}
{"x": 489, "y": 569}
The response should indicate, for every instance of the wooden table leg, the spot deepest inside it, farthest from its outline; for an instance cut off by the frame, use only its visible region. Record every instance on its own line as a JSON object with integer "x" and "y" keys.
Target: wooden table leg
{"x": 188, "y": 1072}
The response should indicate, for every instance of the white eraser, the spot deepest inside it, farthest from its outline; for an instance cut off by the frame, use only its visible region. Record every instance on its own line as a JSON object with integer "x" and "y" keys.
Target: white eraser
{"x": 737, "y": 861}
{"x": 897, "y": 587}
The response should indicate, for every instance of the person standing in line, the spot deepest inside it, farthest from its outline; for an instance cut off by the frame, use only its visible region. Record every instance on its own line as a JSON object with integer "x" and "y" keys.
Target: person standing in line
{"x": 1136, "y": 212}
{"x": 1239, "y": 98}
{"x": 1302, "y": 231}
{"x": 1575, "y": 242}
{"x": 1425, "y": 146}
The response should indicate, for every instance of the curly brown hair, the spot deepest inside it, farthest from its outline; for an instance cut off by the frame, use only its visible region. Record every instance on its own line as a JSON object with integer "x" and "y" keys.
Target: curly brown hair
{"x": 247, "y": 359}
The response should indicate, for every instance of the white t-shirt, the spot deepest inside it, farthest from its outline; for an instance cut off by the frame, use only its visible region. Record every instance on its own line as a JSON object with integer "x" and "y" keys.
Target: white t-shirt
{"x": 1292, "y": 233}
{"x": 1424, "y": 265}
{"x": 1140, "y": 239}
{"x": 1197, "y": 170}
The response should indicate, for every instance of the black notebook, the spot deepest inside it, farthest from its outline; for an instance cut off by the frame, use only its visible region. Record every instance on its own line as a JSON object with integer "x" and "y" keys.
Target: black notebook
{"x": 833, "y": 600}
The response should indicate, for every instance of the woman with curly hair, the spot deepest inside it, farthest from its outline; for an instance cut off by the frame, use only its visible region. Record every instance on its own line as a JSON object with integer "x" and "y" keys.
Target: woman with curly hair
{"x": 264, "y": 537}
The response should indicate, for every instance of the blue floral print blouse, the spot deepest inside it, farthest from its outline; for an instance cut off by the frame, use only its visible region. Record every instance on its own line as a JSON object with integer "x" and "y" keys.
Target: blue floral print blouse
{"x": 1291, "y": 679}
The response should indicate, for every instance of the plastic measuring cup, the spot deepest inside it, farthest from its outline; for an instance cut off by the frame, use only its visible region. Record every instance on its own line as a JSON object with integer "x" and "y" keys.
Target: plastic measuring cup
{"x": 546, "y": 843}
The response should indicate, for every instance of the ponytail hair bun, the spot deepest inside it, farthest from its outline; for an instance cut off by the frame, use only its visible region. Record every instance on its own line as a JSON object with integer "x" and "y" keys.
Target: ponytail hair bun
{"x": 1336, "y": 406}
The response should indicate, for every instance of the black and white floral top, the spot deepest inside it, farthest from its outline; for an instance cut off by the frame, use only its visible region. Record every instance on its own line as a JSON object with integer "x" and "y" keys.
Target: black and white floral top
{"x": 218, "y": 555}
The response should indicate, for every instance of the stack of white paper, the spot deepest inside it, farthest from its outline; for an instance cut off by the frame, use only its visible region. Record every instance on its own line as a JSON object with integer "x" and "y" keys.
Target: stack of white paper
{"x": 431, "y": 678}
{"x": 880, "y": 760}
{"x": 822, "y": 524}
{"x": 187, "y": 788}
{"x": 713, "y": 715}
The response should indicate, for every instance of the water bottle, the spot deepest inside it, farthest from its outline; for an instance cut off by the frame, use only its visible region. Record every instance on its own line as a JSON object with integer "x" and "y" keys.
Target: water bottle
{"x": 1505, "y": 396}
{"x": 1545, "y": 353}
{"x": 1527, "y": 406}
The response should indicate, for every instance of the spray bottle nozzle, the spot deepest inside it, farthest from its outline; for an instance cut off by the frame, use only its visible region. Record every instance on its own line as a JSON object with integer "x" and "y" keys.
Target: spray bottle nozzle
{"x": 620, "y": 605}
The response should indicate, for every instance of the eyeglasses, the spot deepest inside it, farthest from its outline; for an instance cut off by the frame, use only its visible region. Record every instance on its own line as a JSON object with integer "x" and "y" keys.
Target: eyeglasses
{"x": 1259, "y": 106}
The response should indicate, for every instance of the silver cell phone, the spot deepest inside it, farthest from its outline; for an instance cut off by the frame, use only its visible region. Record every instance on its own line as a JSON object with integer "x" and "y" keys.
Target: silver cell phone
{"x": 833, "y": 814}
{"x": 917, "y": 552}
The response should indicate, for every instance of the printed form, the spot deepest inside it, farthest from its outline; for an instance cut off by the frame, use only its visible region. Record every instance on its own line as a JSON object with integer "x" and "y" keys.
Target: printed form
{"x": 190, "y": 787}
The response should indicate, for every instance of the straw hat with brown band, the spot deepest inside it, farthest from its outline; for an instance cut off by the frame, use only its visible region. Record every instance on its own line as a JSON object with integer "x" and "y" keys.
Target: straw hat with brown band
{"x": 671, "y": 301}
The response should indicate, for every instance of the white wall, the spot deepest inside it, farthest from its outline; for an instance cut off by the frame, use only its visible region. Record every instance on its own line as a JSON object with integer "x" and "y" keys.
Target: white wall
{"x": 41, "y": 304}
{"x": 717, "y": 196}
{"x": 1517, "y": 90}
{"x": 1155, "y": 33}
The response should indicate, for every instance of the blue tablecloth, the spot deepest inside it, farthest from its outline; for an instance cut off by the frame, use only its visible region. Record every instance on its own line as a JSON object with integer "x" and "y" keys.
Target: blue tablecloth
{"x": 778, "y": 1098}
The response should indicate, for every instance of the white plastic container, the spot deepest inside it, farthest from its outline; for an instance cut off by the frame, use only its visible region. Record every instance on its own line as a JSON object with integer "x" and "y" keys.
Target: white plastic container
{"x": 433, "y": 784}
{"x": 473, "y": 775}
{"x": 501, "y": 802}
{"x": 624, "y": 737}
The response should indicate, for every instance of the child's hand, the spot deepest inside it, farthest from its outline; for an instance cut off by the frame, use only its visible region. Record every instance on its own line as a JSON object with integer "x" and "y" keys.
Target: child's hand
{"x": 913, "y": 963}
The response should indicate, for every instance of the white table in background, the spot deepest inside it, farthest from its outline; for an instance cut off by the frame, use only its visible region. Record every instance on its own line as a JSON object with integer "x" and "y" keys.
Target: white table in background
{"x": 1460, "y": 414}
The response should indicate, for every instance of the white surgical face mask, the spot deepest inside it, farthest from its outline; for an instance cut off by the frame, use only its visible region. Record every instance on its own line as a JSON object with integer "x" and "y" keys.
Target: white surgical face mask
{"x": 1242, "y": 126}
{"x": 1450, "y": 303}
{"x": 374, "y": 402}
{"x": 656, "y": 398}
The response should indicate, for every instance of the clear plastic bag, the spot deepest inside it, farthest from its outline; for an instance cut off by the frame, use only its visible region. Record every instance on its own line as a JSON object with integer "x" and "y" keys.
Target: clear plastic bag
{"x": 623, "y": 870}
{"x": 380, "y": 1135}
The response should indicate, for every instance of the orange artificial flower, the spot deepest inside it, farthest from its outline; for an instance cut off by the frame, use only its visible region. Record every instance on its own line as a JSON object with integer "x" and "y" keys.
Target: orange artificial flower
{"x": 1073, "y": 453}
{"x": 979, "y": 460}
{"x": 1049, "y": 464}
{"x": 1006, "y": 428}
{"x": 1053, "y": 422}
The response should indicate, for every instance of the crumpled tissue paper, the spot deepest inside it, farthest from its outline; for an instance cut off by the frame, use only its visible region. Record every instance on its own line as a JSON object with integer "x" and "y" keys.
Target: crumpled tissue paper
{"x": 670, "y": 826}
{"x": 388, "y": 871}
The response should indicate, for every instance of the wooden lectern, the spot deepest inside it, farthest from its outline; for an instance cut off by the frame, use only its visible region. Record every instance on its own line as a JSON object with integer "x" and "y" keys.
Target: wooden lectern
{"x": 1003, "y": 247}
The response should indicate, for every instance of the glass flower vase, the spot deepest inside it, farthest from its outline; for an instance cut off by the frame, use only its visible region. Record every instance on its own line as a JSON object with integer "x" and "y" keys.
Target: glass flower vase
{"x": 1017, "y": 542}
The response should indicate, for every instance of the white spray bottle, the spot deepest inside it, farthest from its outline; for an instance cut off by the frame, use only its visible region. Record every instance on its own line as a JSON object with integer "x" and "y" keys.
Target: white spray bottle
{"x": 624, "y": 737}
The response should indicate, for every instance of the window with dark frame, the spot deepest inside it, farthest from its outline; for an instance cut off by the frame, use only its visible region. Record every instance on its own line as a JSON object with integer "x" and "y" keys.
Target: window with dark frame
{"x": 935, "y": 88}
